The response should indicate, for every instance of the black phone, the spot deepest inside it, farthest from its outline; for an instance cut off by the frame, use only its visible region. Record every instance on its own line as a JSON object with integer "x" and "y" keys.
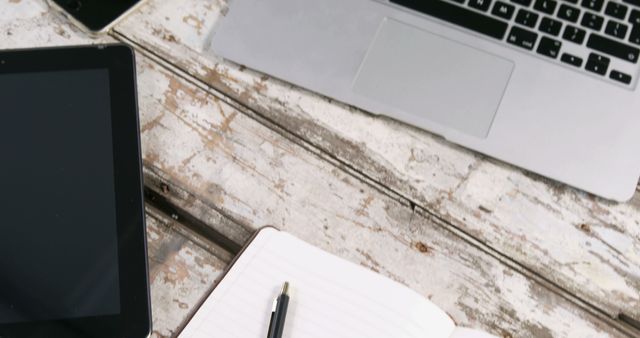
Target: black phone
{"x": 95, "y": 15}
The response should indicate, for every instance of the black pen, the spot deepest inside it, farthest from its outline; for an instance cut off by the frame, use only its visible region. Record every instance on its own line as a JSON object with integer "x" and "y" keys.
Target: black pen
{"x": 279, "y": 313}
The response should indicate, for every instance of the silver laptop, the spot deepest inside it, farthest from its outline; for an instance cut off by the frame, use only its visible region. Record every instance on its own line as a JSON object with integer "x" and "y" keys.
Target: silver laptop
{"x": 550, "y": 86}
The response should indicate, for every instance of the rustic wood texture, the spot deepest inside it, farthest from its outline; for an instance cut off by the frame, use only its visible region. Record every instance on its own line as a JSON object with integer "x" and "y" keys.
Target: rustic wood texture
{"x": 237, "y": 171}
{"x": 583, "y": 244}
{"x": 181, "y": 272}
{"x": 232, "y": 165}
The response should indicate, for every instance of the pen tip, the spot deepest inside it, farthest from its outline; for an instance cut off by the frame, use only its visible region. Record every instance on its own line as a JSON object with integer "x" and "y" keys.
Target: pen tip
{"x": 285, "y": 288}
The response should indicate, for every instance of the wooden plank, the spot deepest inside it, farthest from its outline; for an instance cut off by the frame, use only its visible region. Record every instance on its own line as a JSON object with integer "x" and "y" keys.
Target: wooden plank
{"x": 180, "y": 271}
{"x": 252, "y": 175}
{"x": 218, "y": 161}
{"x": 584, "y": 244}
{"x": 161, "y": 183}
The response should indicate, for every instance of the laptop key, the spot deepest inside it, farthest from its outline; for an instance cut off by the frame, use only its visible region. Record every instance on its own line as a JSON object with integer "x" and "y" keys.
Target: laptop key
{"x": 592, "y": 21}
{"x": 597, "y": 64}
{"x": 459, "y": 16}
{"x": 568, "y": 13}
{"x": 549, "y": 47}
{"x": 616, "y": 29}
{"x": 571, "y": 59}
{"x": 633, "y": 2}
{"x": 482, "y": 5}
{"x": 613, "y": 48}
{"x": 595, "y": 5}
{"x": 546, "y": 6}
{"x": 620, "y": 77}
{"x": 503, "y": 10}
{"x": 634, "y": 17}
{"x": 526, "y": 18}
{"x": 634, "y": 37}
{"x": 550, "y": 26}
{"x": 526, "y": 3}
{"x": 522, "y": 38}
{"x": 574, "y": 34}
{"x": 616, "y": 10}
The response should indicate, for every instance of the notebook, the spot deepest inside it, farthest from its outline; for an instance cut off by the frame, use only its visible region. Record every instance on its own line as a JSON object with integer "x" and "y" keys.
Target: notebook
{"x": 329, "y": 297}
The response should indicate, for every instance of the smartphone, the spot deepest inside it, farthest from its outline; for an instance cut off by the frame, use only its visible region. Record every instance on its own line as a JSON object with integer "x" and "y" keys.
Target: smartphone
{"x": 96, "y": 16}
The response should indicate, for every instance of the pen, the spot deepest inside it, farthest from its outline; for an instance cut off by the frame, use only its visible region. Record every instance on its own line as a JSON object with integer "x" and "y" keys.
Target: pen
{"x": 279, "y": 313}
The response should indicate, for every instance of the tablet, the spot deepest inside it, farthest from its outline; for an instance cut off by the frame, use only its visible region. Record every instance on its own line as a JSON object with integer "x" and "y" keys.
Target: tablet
{"x": 72, "y": 230}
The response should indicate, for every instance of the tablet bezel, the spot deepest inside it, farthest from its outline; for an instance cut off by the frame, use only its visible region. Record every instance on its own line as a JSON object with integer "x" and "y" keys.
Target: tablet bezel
{"x": 134, "y": 319}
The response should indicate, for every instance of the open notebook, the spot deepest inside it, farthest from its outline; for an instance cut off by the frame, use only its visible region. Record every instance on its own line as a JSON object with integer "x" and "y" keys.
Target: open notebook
{"x": 330, "y": 297}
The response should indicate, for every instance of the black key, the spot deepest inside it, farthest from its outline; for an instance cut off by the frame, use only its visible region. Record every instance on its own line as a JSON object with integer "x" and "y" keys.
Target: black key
{"x": 616, "y": 10}
{"x": 550, "y": 26}
{"x": 613, "y": 48}
{"x": 458, "y": 16}
{"x": 597, "y": 64}
{"x": 522, "y": 2}
{"x": 503, "y": 10}
{"x": 572, "y": 1}
{"x": 568, "y": 13}
{"x": 621, "y": 77}
{"x": 616, "y": 29}
{"x": 574, "y": 34}
{"x": 572, "y": 60}
{"x": 634, "y": 37}
{"x": 522, "y": 38}
{"x": 482, "y": 5}
{"x": 633, "y": 2}
{"x": 459, "y": 1}
{"x": 527, "y": 18}
{"x": 634, "y": 17}
{"x": 592, "y": 21}
{"x": 549, "y": 47}
{"x": 595, "y": 5}
{"x": 546, "y": 6}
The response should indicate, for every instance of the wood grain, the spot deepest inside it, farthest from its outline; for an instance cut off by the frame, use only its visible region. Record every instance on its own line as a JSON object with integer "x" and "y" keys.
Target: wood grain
{"x": 217, "y": 161}
{"x": 181, "y": 272}
{"x": 583, "y": 244}
{"x": 236, "y": 174}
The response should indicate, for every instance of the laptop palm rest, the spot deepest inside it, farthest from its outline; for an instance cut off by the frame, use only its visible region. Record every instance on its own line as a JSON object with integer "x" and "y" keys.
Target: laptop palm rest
{"x": 427, "y": 76}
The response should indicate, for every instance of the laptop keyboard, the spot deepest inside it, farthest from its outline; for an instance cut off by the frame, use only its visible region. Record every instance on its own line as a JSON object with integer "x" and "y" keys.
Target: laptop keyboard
{"x": 601, "y": 37}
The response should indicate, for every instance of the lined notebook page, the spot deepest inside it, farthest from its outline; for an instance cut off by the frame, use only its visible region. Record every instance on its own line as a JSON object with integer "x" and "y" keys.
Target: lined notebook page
{"x": 329, "y": 297}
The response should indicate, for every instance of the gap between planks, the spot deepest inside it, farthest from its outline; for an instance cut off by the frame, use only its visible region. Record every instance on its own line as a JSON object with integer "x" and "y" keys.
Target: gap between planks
{"x": 622, "y": 321}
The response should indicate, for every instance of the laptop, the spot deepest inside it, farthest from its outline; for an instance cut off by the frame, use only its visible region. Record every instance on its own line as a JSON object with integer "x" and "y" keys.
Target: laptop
{"x": 549, "y": 86}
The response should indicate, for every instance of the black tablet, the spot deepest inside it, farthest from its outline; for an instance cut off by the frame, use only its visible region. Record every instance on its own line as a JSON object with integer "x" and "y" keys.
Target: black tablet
{"x": 72, "y": 232}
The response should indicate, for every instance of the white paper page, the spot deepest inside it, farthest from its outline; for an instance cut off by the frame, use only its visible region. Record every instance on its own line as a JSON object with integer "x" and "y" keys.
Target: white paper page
{"x": 329, "y": 297}
{"x": 461, "y": 332}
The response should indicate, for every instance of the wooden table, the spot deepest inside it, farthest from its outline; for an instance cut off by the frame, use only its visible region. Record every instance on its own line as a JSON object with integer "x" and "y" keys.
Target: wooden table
{"x": 227, "y": 150}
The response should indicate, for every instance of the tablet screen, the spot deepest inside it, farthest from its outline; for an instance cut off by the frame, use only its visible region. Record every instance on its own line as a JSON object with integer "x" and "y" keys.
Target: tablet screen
{"x": 59, "y": 244}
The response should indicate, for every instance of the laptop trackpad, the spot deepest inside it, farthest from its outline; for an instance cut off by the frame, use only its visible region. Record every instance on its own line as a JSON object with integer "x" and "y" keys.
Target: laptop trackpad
{"x": 432, "y": 77}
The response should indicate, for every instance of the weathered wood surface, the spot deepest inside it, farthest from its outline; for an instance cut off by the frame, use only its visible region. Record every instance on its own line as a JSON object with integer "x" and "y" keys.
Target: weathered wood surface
{"x": 583, "y": 244}
{"x": 181, "y": 271}
{"x": 231, "y": 165}
{"x": 226, "y": 166}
